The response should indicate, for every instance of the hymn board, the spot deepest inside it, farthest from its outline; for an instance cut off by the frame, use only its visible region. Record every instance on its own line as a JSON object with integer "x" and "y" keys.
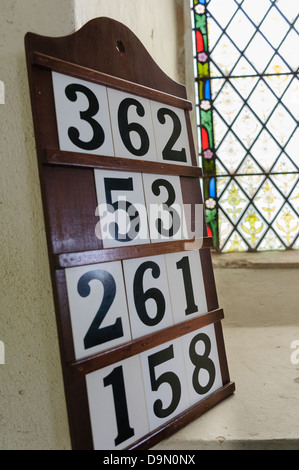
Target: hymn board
{"x": 139, "y": 324}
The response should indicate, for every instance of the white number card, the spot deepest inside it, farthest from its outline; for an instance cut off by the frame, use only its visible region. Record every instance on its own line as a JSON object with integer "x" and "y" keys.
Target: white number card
{"x": 132, "y": 126}
{"x": 117, "y": 404}
{"x": 164, "y": 201}
{"x": 92, "y": 118}
{"x": 82, "y": 115}
{"x": 121, "y": 208}
{"x": 98, "y": 307}
{"x": 148, "y": 294}
{"x": 171, "y": 134}
{"x": 139, "y": 394}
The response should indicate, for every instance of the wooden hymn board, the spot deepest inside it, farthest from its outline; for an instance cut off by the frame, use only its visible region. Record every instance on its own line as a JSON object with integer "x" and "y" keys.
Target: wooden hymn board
{"x": 138, "y": 320}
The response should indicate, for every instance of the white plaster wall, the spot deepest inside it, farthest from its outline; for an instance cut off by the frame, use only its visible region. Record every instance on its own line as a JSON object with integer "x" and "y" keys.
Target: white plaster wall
{"x": 32, "y": 404}
{"x": 154, "y": 23}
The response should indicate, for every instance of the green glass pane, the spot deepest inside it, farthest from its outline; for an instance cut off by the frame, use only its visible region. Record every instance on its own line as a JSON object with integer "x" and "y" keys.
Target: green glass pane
{"x": 200, "y": 23}
{"x": 206, "y": 120}
{"x": 203, "y": 69}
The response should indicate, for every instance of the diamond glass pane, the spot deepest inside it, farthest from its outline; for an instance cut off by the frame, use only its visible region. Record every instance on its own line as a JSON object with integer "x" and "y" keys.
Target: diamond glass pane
{"x": 262, "y": 100}
{"x": 231, "y": 153}
{"x": 247, "y": 110}
{"x": 233, "y": 201}
{"x": 265, "y": 150}
{"x": 268, "y": 200}
{"x": 274, "y": 27}
{"x": 255, "y": 9}
{"x": 240, "y": 30}
{"x": 270, "y": 242}
{"x": 247, "y": 127}
{"x": 235, "y": 243}
{"x": 228, "y": 103}
{"x": 225, "y": 55}
{"x": 281, "y": 124}
{"x": 259, "y": 52}
{"x": 292, "y": 147}
{"x": 252, "y": 226}
{"x": 286, "y": 225}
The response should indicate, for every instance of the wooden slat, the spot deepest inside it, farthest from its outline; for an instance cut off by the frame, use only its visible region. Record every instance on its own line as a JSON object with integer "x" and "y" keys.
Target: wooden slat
{"x": 184, "y": 418}
{"x": 123, "y": 351}
{"x": 76, "y": 159}
{"x": 69, "y": 198}
{"x": 62, "y": 66}
{"x": 222, "y": 353}
{"x": 68, "y": 260}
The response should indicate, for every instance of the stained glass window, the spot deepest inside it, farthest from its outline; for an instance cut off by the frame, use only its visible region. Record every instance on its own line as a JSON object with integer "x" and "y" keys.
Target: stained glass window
{"x": 247, "y": 104}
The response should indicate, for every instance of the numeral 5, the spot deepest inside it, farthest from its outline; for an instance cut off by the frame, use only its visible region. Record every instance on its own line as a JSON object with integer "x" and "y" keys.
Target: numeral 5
{"x": 120, "y": 196}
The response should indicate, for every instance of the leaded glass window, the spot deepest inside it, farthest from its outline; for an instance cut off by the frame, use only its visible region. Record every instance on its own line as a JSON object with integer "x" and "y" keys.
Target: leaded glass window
{"x": 247, "y": 103}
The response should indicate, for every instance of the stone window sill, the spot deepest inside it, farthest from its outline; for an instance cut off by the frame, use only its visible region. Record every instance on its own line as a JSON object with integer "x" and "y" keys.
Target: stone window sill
{"x": 262, "y": 260}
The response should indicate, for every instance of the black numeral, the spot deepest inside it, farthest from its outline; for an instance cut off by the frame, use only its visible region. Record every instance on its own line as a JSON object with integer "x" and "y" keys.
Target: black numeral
{"x": 167, "y": 377}
{"x": 125, "y": 128}
{"x": 122, "y": 184}
{"x": 87, "y": 115}
{"x": 202, "y": 362}
{"x": 169, "y": 153}
{"x": 95, "y": 335}
{"x": 116, "y": 380}
{"x": 140, "y": 297}
{"x": 184, "y": 265}
{"x": 175, "y": 226}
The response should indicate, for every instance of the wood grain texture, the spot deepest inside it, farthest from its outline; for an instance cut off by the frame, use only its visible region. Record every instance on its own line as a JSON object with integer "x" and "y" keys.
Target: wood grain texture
{"x": 73, "y": 70}
{"x": 67, "y": 260}
{"x": 184, "y": 418}
{"x": 137, "y": 346}
{"x": 85, "y": 160}
{"x": 69, "y": 200}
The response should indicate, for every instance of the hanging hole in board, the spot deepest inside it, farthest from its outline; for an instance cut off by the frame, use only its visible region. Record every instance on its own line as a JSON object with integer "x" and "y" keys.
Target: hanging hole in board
{"x": 120, "y": 47}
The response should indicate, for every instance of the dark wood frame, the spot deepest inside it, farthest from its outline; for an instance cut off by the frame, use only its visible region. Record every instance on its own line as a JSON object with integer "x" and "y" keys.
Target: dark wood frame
{"x": 106, "y": 52}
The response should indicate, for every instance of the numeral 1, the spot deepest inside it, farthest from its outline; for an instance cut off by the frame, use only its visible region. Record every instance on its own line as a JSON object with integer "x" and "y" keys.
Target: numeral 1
{"x": 184, "y": 265}
{"x": 116, "y": 380}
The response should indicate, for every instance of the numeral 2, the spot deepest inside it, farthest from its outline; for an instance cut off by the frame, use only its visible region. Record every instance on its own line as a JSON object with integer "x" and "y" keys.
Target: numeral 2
{"x": 169, "y": 153}
{"x": 96, "y": 335}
